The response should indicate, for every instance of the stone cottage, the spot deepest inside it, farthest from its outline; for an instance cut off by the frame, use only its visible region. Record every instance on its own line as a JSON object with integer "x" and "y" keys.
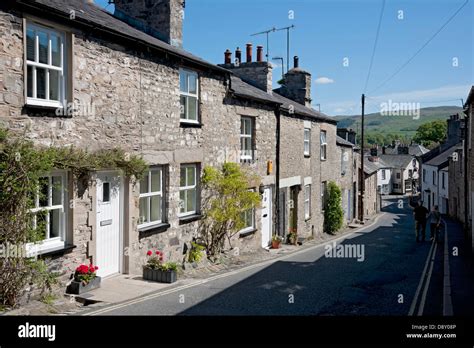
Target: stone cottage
{"x": 132, "y": 87}
{"x": 348, "y": 180}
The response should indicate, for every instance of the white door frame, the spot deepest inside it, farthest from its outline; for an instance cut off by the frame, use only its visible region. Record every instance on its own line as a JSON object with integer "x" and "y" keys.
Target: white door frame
{"x": 270, "y": 216}
{"x": 121, "y": 217}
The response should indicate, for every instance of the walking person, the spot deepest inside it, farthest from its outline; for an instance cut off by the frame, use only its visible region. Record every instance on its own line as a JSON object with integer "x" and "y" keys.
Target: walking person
{"x": 435, "y": 222}
{"x": 420, "y": 213}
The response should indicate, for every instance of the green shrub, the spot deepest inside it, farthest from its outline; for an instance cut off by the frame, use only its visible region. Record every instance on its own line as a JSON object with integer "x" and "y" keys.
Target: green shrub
{"x": 333, "y": 213}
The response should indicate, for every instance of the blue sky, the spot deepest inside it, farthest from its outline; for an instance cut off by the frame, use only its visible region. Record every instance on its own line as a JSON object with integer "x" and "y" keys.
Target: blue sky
{"x": 327, "y": 31}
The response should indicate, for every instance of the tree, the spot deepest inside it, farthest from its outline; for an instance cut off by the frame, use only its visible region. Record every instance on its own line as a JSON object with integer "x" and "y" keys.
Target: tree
{"x": 431, "y": 132}
{"x": 227, "y": 198}
{"x": 333, "y": 214}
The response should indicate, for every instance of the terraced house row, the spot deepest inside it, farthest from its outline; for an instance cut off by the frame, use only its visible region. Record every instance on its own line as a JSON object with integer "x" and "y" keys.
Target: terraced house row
{"x": 135, "y": 88}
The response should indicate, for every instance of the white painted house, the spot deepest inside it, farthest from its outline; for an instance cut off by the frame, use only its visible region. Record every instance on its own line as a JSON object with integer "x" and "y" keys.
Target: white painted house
{"x": 404, "y": 173}
{"x": 434, "y": 183}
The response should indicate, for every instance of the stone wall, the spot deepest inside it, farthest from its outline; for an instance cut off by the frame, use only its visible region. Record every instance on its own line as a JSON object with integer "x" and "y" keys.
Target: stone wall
{"x": 135, "y": 103}
{"x": 456, "y": 187}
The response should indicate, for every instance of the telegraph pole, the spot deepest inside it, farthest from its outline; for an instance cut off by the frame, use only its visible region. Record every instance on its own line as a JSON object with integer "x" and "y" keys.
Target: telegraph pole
{"x": 362, "y": 175}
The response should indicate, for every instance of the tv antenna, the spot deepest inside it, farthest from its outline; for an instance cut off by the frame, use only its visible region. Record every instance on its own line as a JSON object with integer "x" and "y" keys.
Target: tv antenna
{"x": 287, "y": 44}
{"x": 267, "y": 32}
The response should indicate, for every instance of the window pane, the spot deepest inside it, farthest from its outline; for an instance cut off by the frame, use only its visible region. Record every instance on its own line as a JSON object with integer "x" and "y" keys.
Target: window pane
{"x": 183, "y": 84}
{"x": 156, "y": 181}
{"x": 41, "y": 225}
{"x": 183, "y": 107}
{"x": 43, "y": 192}
{"x": 182, "y": 182}
{"x": 57, "y": 189}
{"x": 306, "y": 134}
{"x": 248, "y": 146}
{"x": 105, "y": 192}
{"x": 192, "y": 84}
{"x": 191, "y": 176}
{"x": 43, "y": 47}
{"x": 54, "y": 223}
{"x": 56, "y": 50}
{"x": 143, "y": 218}
{"x": 40, "y": 83}
{"x": 248, "y": 126}
{"x": 144, "y": 184}
{"x": 30, "y": 44}
{"x": 182, "y": 201}
{"x": 191, "y": 200}
{"x": 192, "y": 108}
{"x": 54, "y": 85}
{"x": 155, "y": 208}
{"x": 29, "y": 81}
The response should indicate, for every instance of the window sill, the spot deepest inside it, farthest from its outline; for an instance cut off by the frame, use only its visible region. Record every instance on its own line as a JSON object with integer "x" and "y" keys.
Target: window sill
{"x": 150, "y": 230}
{"x": 307, "y": 156}
{"x": 188, "y": 124}
{"x": 307, "y": 219}
{"x": 189, "y": 218}
{"x": 246, "y": 233}
{"x": 56, "y": 251}
{"x": 48, "y": 111}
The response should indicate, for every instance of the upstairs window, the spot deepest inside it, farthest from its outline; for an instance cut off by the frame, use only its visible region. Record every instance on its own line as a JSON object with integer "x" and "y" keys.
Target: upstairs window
{"x": 383, "y": 174}
{"x": 246, "y": 139}
{"x": 45, "y": 66}
{"x": 188, "y": 87}
{"x": 323, "y": 145}
{"x": 307, "y": 142}
{"x": 188, "y": 190}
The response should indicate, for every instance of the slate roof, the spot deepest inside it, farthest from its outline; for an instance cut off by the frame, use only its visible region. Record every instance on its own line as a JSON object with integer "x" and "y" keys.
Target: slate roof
{"x": 442, "y": 160}
{"x": 370, "y": 168}
{"x": 303, "y": 110}
{"x": 243, "y": 89}
{"x": 414, "y": 150}
{"x": 396, "y": 161}
{"x": 343, "y": 142}
{"x": 470, "y": 97}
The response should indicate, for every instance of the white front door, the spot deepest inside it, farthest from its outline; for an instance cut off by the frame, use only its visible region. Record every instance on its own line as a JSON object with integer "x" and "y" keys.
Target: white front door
{"x": 266, "y": 217}
{"x": 108, "y": 242}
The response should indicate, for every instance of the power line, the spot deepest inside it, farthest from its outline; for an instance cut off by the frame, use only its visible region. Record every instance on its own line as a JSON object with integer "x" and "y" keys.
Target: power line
{"x": 422, "y": 47}
{"x": 375, "y": 46}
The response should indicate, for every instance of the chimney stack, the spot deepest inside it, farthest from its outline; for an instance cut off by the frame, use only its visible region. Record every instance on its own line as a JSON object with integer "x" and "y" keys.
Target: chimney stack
{"x": 249, "y": 53}
{"x": 259, "y": 53}
{"x": 297, "y": 85}
{"x": 259, "y": 73}
{"x": 162, "y": 19}
{"x": 238, "y": 55}
{"x": 228, "y": 57}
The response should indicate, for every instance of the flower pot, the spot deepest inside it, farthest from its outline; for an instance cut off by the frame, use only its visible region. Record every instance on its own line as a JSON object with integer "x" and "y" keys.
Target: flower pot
{"x": 275, "y": 244}
{"x": 77, "y": 288}
{"x": 158, "y": 275}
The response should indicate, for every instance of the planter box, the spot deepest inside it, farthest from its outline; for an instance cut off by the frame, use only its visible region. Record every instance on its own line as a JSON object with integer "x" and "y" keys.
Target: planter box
{"x": 157, "y": 275}
{"x": 275, "y": 245}
{"x": 78, "y": 288}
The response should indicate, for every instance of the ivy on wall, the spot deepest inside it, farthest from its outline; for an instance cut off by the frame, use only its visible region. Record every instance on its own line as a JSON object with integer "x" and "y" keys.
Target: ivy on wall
{"x": 21, "y": 167}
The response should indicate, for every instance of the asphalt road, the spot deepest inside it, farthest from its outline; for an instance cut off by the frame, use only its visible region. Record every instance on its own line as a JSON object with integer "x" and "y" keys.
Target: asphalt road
{"x": 309, "y": 283}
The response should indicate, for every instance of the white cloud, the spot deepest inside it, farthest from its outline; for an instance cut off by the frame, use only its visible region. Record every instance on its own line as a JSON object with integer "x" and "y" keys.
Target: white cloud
{"x": 323, "y": 80}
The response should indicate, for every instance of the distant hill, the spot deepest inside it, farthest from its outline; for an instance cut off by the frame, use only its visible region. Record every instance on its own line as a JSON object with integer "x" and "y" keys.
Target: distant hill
{"x": 405, "y": 126}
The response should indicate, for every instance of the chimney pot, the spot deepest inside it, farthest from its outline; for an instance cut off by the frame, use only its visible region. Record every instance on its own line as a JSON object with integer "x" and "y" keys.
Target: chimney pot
{"x": 228, "y": 57}
{"x": 259, "y": 53}
{"x": 249, "y": 53}
{"x": 296, "y": 62}
{"x": 238, "y": 55}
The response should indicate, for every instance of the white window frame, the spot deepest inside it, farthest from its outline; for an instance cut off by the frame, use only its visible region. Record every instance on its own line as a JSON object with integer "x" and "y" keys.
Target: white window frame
{"x": 59, "y": 242}
{"x": 246, "y": 155}
{"x": 307, "y": 202}
{"x": 188, "y": 188}
{"x": 324, "y": 143}
{"x": 36, "y": 64}
{"x": 383, "y": 174}
{"x": 187, "y": 95}
{"x": 150, "y": 194}
{"x": 307, "y": 142}
{"x": 252, "y": 226}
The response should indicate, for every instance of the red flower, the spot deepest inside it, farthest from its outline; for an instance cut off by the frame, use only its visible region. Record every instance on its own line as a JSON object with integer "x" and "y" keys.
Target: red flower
{"x": 149, "y": 253}
{"x": 158, "y": 252}
{"x": 96, "y": 268}
{"x": 161, "y": 258}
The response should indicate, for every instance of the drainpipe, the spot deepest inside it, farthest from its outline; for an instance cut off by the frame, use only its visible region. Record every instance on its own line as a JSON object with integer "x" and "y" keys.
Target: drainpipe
{"x": 277, "y": 174}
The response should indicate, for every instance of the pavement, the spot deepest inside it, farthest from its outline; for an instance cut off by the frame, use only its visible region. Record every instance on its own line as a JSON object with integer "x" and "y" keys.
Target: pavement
{"x": 395, "y": 276}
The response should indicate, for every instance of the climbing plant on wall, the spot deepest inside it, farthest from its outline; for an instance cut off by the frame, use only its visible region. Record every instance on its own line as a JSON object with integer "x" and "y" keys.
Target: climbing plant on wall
{"x": 22, "y": 166}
